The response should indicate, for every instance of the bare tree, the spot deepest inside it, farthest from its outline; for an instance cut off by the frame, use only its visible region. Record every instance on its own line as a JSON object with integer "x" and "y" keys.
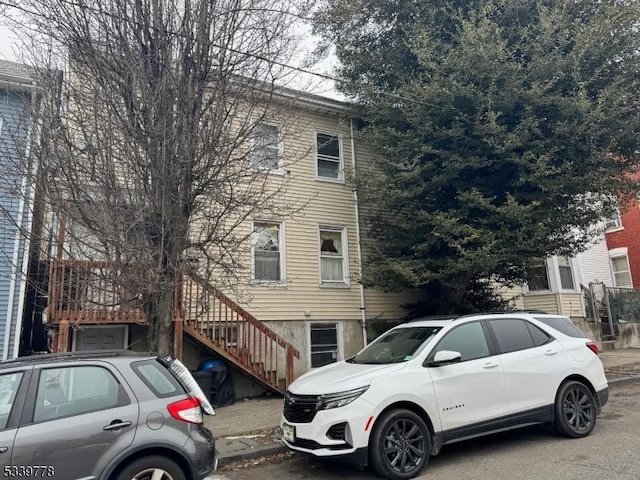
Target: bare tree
{"x": 156, "y": 156}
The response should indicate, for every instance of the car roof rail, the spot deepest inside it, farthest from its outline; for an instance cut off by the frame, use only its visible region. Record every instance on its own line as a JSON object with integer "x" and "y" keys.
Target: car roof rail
{"x": 76, "y": 354}
{"x": 501, "y": 312}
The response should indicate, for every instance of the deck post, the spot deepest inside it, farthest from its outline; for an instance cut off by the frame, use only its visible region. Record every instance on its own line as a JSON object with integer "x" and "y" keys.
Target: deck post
{"x": 63, "y": 336}
{"x": 178, "y": 327}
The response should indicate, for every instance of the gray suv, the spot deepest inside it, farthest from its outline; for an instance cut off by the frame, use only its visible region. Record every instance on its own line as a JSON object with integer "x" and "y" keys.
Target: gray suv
{"x": 108, "y": 415}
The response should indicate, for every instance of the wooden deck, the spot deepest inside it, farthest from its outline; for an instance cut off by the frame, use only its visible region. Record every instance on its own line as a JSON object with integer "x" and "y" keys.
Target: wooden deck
{"x": 83, "y": 292}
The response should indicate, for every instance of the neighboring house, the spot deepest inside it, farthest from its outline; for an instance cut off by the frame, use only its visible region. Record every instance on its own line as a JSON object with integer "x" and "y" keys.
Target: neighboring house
{"x": 623, "y": 243}
{"x": 18, "y": 132}
{"x": 303, "y": 299}
{"x": 556, "y": 284}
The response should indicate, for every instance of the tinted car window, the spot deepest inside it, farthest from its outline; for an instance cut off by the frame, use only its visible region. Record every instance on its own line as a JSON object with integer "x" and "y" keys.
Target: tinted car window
{"x": 157, "y": 378}
{"x": 76, "y": 390}
{"x": 468, "y": 339}
{"x": 563, "y": 325}
{"x": 511, "y": 335}
{"x": 539, "y": 337}
{"x": 9, "y": 383}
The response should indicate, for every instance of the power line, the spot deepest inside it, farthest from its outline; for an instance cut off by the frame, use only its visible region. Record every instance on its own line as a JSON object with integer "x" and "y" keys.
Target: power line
{"x": 233, "y": 50}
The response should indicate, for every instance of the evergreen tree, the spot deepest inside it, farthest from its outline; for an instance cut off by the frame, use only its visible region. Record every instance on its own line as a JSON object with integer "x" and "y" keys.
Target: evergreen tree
{"x": 501, "y": 129}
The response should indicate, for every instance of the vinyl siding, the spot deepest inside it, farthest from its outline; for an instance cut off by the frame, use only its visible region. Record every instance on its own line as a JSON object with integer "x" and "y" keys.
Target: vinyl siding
{"x": 594, "y": 264}
{"x": 570, "y": 304}
{"x": 13, "y": 110}
{"x": 326, "y": 204}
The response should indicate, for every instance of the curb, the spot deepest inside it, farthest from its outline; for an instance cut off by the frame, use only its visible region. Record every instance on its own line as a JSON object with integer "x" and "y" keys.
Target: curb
{"x": 624, "y": 381}
{"x": 251, "y": 453}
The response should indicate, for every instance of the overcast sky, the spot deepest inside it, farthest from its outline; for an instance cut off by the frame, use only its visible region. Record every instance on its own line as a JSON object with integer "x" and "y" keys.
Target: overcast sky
{"x": 309, "y": 83}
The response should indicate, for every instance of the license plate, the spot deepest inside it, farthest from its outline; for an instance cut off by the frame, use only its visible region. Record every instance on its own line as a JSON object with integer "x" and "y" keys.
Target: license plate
{"x": 289, "y": 433}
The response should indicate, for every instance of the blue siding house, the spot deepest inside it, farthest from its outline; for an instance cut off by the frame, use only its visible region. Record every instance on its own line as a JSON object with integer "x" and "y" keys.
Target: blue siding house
{"x": 18, "y": 133}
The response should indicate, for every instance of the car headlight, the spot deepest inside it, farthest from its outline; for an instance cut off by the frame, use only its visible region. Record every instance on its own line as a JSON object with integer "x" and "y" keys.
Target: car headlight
{"x": 340, "y": 399}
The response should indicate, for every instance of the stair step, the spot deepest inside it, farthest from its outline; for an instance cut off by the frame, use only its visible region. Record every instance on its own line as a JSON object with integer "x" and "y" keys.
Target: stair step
{"x": 608, "y": 345}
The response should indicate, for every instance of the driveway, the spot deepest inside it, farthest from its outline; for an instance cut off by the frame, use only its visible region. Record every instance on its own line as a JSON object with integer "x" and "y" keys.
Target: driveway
{"x": 609, "y": 453}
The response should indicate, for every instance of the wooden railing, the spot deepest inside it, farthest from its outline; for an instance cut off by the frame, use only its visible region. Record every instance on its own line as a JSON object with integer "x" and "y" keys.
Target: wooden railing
{"x": 217, "y": 321}
{"x": 92, "y": 292}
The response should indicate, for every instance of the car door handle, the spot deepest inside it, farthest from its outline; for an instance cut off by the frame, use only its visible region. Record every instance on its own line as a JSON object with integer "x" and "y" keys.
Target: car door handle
{"x": 3, "y": 449}
{"x": 117, "y": 425}
{"x": 551, "y": 352}
{"x": 490, "y": 365}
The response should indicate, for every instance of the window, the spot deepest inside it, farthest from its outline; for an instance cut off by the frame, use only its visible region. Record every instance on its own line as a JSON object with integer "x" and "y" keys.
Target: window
{"x": 157, "y": 378}
{"x": 333, "y": 264}
{"x": 324, "y": 344}
{"x": 537, "y": 276}
{"x": 9, "y": 384}
{"x": 468, "y": 339}
{"x": 329, "y": 156}
{"x": 621, "y": 271}
{"x": 614, "y": 221}
{"x": 563, "y": 325}
{"x": 267, "y": 252}
{"x": 566, "y": 275}
{"x": 513, "y": 335}
{"x": 267, "y": 146}
{"x": 76, "y": 390}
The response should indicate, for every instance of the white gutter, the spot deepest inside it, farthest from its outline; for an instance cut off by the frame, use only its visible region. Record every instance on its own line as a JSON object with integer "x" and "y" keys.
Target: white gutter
{"x": 363, "y": 313}
{"x": 15, "y": 259}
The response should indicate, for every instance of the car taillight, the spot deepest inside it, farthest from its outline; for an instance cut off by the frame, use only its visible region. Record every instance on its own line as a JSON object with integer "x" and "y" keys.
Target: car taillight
{"x": 593, "y": 347}
{"x": 187, "y": 410}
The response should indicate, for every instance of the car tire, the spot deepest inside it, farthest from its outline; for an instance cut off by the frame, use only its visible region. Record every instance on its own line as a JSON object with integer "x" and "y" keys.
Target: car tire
{"x": 146, "y": 467}
{"x": 400, "y": 445}
{"x": 575, "y": 410}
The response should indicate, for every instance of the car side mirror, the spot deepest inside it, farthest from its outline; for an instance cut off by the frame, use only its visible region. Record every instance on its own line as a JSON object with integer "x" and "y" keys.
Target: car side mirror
{"x": 445, "y": 357}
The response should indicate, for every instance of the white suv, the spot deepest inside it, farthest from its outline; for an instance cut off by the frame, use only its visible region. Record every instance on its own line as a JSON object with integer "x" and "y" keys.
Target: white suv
{"x": 428, "y": 383}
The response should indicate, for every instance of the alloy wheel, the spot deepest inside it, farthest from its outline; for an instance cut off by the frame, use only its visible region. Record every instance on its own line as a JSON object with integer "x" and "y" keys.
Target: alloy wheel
{"x": 404, "y": 445}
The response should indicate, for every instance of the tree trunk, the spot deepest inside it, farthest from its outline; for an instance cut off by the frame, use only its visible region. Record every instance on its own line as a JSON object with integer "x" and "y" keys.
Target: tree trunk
{"x": 160, "y": 317}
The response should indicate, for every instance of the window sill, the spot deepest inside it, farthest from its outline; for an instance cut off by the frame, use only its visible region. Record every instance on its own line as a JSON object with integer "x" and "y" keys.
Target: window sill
{"x": 614, "y": 230}
{"x": 280, "y": 285}
{"x": 334, "y": 285}
{"x": 330, "y": 180}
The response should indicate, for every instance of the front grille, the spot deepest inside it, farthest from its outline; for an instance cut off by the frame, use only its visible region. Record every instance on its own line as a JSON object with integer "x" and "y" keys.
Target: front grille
{"x": 300, "y": 408}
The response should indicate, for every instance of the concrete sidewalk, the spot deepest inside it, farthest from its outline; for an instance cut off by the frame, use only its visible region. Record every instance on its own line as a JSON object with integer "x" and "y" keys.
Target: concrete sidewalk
{"x": 249, "y": 429}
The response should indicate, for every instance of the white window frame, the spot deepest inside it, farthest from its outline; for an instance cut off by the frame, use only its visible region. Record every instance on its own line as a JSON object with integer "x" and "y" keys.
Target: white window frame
{"x": 615, "y": 254}
{"x": 281, "y": 244}
{"x": 279, "y": 147}
{"x": 614, "y": 223}
{"x": 345, "y": 256}
{"x": 545, "y": 263}
{"x": 318, "y": 157}
{"x": 570, "y": 266}
{"x": 338, "y": 325}
{"x": 553, "y": 277}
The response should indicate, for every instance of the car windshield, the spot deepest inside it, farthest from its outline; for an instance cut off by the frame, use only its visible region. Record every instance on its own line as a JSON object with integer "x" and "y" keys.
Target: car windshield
{"x": 395, "y": 346}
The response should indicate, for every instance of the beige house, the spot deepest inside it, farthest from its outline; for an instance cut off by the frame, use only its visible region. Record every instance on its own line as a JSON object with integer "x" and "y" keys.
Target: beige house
{"x": 301, "y": 305}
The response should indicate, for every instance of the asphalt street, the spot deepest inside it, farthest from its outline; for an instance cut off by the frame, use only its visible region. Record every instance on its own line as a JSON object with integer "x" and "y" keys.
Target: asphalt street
{"x": 611, "y": 452}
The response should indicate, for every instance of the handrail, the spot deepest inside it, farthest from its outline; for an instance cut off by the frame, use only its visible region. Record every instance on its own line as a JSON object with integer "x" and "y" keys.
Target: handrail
{"x": 253, "y": 345}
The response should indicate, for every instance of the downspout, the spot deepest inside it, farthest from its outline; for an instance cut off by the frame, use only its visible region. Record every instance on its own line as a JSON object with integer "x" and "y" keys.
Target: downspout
{"x": 363, "y": 320}
{"x": 15, "y": 258}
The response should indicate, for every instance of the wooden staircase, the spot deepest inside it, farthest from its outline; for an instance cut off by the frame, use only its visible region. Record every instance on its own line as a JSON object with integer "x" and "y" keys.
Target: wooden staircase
{"x": 84, "y": 292}
{"x": 218, "y": 323}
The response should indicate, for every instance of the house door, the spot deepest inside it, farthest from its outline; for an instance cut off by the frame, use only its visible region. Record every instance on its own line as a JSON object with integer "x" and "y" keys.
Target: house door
{"x": 102, "y": 337}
